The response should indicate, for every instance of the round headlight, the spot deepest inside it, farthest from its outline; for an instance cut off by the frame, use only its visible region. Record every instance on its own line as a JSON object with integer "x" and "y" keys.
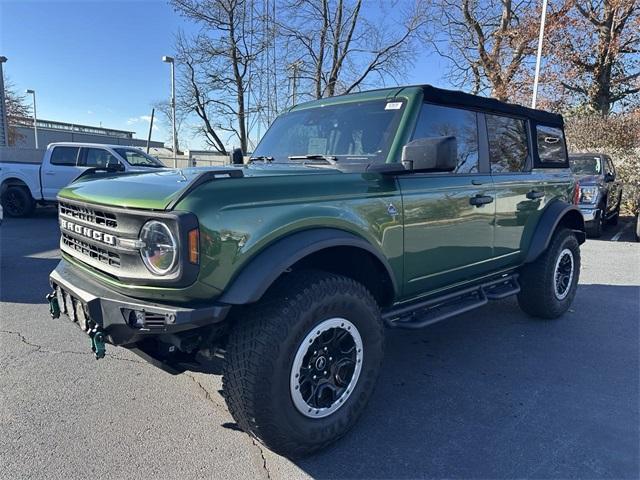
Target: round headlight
{"x": 160, "y": 251}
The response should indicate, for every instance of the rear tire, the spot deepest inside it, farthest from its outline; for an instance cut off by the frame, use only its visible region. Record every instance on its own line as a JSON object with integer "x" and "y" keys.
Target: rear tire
{"x": 279, "y": 385}
{"x": 17, "y": 202}
{"x": 549, "y": 284}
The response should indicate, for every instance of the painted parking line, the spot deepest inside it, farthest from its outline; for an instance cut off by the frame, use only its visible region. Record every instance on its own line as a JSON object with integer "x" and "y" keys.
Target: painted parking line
{"x": 617, "y": 236}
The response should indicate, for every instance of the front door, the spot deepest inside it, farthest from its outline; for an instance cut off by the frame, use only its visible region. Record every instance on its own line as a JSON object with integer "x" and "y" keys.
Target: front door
{"x": 448, "y": 216}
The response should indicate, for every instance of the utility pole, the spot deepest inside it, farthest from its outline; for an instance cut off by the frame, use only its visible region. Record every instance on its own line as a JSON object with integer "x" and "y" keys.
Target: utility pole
{"x": 295, "y": 66}
{"x": 539, "y": 56}
{"x": 153, "y": 111}
{"x": 4, "y": 141}
{"x": 35, "y": 116}
{"x": 171, "y": 61}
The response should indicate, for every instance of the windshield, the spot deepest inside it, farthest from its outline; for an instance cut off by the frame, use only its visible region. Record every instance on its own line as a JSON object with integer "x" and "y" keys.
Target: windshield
{"x": 355, "y": 130}
{"x": 585, "y": 165}
{"x": 137, "y": 158}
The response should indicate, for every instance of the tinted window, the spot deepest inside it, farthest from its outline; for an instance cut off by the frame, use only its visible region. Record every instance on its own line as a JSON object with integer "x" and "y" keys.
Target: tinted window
{"x": 508, "y": 148}
{"x": 437, "y": 121}
{"x": 585, "y": 165}
{"x": 551, "y": 147}
{"x": 64, "y": 155}
{"x": 97, "y": 157}
{"x": 609, "y": 167}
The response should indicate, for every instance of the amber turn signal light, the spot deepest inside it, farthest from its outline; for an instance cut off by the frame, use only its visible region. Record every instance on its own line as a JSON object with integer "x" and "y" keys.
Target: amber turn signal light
{"x": 194, "y": 246}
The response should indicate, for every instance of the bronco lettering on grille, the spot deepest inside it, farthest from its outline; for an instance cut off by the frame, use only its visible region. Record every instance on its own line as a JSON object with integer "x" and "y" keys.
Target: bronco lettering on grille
{"x": 97, "y": 235}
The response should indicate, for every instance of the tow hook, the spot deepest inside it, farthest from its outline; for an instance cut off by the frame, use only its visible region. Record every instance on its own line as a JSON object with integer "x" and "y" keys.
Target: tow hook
{"x": 54, "y": 307}
{"x": 97, "y": 343}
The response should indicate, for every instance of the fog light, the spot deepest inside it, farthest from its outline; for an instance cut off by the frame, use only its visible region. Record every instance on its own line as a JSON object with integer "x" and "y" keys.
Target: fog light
{"x": 136, "y": 318}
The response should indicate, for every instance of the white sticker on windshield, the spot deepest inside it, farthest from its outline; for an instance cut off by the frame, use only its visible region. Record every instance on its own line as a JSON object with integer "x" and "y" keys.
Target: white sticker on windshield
{"x": 393, "y": 106}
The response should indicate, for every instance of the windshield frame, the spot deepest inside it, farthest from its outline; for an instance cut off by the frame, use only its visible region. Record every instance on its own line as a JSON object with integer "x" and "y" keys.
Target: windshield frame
{"x": 121, "y": 152}
{"x": 386, "y": 150}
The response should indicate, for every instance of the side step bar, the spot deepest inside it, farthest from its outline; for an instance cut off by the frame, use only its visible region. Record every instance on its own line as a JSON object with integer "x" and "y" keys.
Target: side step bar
{"x": 428, "y": 312}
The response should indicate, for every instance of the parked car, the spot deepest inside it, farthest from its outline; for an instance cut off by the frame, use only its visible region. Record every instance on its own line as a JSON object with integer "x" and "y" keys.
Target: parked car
{"x": 399, "y": 207}
{"x": 600, "y": 191}
{"x": 23, "y": 185}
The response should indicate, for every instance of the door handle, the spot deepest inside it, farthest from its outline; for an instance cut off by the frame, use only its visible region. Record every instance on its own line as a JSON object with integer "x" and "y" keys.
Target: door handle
{"x": 535, "y": 194}
{"x": 480, "y": 200}
{"x": 49, "y": 173}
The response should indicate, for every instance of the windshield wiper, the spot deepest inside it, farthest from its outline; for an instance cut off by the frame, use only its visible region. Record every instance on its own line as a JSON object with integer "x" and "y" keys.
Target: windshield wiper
{"x": 261, "y": 158}
{"x": 327, "y": 158}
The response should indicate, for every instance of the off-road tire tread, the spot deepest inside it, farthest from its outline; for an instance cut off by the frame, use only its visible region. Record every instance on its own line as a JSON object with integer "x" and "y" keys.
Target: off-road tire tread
{"x": 536, "y": 296}
{"x": 258, "y": 337}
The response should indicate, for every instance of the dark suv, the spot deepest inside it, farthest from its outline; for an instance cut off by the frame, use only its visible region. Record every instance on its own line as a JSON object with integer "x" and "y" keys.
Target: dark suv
{"x": 600, "y": 191}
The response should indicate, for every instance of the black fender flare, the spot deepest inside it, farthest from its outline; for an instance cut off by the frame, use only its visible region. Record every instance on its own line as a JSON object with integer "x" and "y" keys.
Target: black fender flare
{"x": 265, "y": 267}
{"x": 551, "y": 217}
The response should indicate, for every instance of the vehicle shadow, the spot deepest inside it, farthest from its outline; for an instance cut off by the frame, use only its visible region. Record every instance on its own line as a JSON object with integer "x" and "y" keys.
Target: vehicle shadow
{"x": 496, "y": 394}
{"x": 28, "y": 252}
{"x": 622, "y": 232}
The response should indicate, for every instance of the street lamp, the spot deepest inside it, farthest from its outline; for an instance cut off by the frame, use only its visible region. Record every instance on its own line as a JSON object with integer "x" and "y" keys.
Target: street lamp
{"x": 170, "y": 60}
{"x": 35, "y": 117}
{"x": 3, "y": 117}
{"x": 539, "y": 55}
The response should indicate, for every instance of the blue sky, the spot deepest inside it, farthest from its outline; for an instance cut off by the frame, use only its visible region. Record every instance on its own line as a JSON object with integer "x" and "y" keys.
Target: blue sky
{"x": 94, "y": 62}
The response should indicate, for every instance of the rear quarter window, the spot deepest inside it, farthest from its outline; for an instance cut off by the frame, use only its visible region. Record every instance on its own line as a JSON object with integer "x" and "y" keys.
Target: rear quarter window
{"x": 64, "y": 156}
{"x": 551, "y": 145}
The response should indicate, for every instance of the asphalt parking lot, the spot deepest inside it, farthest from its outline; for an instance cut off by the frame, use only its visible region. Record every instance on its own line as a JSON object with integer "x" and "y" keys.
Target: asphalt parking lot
{"x": 490, "y": 394}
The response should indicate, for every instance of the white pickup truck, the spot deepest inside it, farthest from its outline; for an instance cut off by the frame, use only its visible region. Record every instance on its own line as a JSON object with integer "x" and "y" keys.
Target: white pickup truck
{"x": 23, "y": 185}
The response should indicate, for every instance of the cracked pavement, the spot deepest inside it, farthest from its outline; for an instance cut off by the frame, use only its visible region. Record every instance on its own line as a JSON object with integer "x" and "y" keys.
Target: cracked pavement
{"x": 491, "y": 394}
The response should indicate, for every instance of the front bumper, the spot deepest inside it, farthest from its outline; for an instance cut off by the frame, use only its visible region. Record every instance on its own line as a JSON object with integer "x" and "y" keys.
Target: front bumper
{"x": 590, "y": 214}
{"x": 90, "y": 303}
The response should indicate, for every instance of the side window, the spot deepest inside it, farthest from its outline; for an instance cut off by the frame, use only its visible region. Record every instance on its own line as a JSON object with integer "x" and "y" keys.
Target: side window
{"x": 438, "y": 121}
{"x": 551, "y": 148}
{"x": 64, "y": 156}
{"x": 98, "y": 157}
{"x": 609, "y": 166}
{"x": 508, "y": 145}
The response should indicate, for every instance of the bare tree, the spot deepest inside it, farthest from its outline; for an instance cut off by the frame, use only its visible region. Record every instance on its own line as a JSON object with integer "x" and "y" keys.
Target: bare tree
{"x": 17, "y": 111}
{"x": 216, "y": 66}
{"x": 336, "y": 48}
{"x": 596, "y": 55}
{"x": 488, "y": 43}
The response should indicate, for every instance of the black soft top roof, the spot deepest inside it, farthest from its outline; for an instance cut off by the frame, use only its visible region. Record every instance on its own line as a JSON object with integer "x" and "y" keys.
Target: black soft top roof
{"x": 453, "y": 97}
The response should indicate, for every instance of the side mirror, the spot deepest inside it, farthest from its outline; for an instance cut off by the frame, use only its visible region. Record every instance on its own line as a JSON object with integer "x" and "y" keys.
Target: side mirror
{"x": 435, "y": 153}
{"x": 236, "y": 157}
{"x": 115, "y": 166}
{"x": 609, "y": 177}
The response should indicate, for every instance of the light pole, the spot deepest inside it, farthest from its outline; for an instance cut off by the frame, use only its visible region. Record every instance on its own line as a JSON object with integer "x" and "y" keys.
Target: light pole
{"x": 170, "y": 60}
{"x": 538, "y": 57}
{"x": 35, "y": 116}
{"x": 3, "y": 117}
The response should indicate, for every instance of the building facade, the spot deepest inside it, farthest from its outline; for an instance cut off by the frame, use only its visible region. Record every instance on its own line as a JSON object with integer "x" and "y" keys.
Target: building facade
{"x": 50, "y": 131}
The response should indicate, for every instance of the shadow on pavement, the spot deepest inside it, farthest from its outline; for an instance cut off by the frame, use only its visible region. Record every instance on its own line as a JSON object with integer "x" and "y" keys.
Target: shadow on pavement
{"x": 28, "y": 252}
{"x": 495, "y": 394}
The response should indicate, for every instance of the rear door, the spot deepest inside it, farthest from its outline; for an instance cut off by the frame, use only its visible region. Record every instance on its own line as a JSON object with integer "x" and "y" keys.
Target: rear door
{"x": 520, "y": 192}
{"x": 448, "y": 239}
{"x": 61, "y": 169}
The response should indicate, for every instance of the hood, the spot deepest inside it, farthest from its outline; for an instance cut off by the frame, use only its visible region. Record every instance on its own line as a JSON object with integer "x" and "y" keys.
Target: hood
{"x": 589, "y": 179}
{"x": 158, "y": 189}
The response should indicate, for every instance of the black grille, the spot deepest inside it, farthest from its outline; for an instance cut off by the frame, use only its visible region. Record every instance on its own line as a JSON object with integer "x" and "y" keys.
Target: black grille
{"x": 91, "y": 251}
{"x": 97, "y": 217}
{"x": 154, "y": 320}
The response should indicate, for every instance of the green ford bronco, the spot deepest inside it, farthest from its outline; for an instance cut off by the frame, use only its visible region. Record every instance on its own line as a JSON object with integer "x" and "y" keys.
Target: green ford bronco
{"x": 392, "y": 208}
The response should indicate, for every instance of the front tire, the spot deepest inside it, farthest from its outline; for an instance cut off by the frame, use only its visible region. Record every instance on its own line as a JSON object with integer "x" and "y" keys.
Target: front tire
{"x": 302, "y": 364}
{"x": 17, "y": 202}
{"x": 595, "y": 228}
{"x": 549, "y": 284}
